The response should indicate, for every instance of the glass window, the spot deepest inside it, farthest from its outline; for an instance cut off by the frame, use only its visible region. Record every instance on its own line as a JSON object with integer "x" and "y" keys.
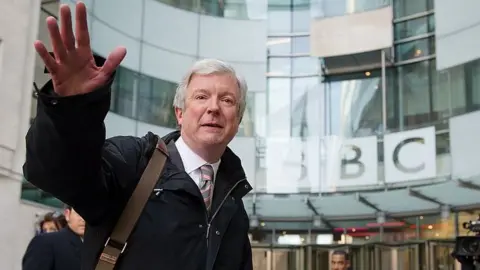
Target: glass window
{"x": 301, "y": 45}
{"x": 412, "y": 28}
{"x": 279, "y": 46}
{"x": 124, "y": 85}
{"x": 414, "y": 83}
{"x": 279, "y": 96}
{"x": 279, "y": 21}
{"x": 415, "y": 49}
{"x": 300, "y": 89}
{"x": 246, "y": 127}
{"x": 355, "y": 107}
{"x": 403, "y": 8}
{"x": 279, "y": 66}
{"x": 155, "y": 102}
{"x": 301, "y": 18}
{"x": 305, "y": 65}
{"x": 448, "y": 92}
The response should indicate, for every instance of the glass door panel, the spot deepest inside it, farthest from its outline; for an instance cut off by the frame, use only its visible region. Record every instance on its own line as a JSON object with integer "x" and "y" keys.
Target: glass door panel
{"x": 440, "y": 258}
{"x": 260, "y": 258}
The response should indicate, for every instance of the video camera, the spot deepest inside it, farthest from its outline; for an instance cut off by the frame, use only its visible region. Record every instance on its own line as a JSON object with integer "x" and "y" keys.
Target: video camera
{"x": 467, "y": 248}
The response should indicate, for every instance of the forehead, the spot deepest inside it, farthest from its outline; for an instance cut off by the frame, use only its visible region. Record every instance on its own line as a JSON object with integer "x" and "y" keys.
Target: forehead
{"x": 216, "y": 82}
{"x": 338, "y": 258}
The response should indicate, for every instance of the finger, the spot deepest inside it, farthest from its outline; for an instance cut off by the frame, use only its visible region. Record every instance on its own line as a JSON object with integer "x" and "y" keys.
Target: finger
{"x": 56, "y": 39}
{"x": 50, "y": 63}
{"x": 81, "y": 25}
{"x": 113, "y": 60}
{"x": 66, "y": 28}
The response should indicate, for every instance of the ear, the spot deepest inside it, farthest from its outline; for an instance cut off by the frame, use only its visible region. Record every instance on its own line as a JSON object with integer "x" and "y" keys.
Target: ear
{"x": 179, "y": 115}
{"x": 66, "y": 213}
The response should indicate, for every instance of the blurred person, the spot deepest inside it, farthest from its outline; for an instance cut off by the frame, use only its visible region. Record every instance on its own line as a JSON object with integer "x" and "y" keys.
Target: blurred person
{"x": 52, "y": 222}
{"x": 57, "y": 250}
{"x": 195, "y": 218}
{"x": 340, "y": 260}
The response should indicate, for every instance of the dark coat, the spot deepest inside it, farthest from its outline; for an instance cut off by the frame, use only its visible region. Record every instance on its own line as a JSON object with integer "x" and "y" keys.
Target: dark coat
{"x": 68, "y": 156}
{"x": 53, "y": 251}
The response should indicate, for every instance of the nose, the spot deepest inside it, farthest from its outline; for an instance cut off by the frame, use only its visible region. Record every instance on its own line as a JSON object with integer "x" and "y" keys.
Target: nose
{"x": 213, "y": 105}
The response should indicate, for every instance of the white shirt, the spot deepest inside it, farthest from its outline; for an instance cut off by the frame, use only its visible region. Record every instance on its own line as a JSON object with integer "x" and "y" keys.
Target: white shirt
{"x": 192, "y": 162}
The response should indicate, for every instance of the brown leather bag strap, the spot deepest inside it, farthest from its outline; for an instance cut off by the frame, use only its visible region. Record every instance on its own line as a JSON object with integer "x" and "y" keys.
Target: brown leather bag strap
{"x": 117, "y": 242}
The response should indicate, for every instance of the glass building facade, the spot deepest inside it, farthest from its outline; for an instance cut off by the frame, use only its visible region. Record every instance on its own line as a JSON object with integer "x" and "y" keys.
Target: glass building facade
{"x": 298, "y": 105}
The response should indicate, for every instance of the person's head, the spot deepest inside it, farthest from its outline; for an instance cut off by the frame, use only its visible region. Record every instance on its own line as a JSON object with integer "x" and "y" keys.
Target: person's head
{"x": 75, "y": 221}
{"x": 209, "y": 105}
{"x": 49, "y": 223}
{"x": 340, "y": 260}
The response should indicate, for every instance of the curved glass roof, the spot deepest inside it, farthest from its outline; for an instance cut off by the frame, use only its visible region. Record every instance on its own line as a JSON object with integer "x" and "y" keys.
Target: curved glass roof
{"x": 456, "y": 194}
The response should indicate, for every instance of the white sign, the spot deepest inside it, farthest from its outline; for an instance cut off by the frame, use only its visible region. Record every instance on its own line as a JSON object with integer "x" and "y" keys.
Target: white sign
{"x": 410, "y": 155}
{"x": 292, "y": 165}
{"x": 464, "y": 146}
{"x": 350, "y": 162}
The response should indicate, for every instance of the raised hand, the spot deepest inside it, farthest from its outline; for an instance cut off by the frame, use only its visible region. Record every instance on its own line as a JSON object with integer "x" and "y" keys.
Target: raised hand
{"x": 73, "y": 68}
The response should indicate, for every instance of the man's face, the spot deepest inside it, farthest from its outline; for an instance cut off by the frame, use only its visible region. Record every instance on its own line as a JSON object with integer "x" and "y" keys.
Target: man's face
{"x": 75, "y": 222}
{"x": 210, "y": 116}
{"x": 339, "y": 262}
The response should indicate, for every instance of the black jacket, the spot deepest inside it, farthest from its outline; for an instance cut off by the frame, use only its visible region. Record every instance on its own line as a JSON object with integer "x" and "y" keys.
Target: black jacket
{"x": 53, "y": 251}
{"x": 68, "y": 156}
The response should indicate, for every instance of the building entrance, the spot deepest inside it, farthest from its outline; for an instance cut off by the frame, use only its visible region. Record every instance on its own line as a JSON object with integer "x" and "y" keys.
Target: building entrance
{"x": 431, "y": 255}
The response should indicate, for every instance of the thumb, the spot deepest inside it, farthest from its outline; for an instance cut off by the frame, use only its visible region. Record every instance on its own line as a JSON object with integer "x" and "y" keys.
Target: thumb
{"x": 113, "y": 60}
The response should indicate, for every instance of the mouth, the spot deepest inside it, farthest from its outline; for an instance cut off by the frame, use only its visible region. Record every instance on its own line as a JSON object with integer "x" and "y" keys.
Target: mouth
{"x": 213, "y": 125}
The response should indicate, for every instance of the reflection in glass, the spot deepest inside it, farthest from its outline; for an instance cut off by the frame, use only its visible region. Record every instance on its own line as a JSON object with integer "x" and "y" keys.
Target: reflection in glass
{"x": 279, "y": 106}
{"x": 332, "y": 8}
{"x": 237, "y": 9}
{"x": 414, "y": 94}
{"x": 279, "y": 46}
{"x": 122, "y": 88}
{"x": 403, "y": 8}
{"x": 301, "y": 87}
{"x": 355, "y": 107}
{"x": 413, "y": 27}
{"x": 155, "y": 102}
{"x": 415, "y": 49}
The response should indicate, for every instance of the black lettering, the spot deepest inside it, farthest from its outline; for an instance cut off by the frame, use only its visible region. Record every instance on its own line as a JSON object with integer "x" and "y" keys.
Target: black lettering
{"x": 396, "y": 152}
{"x": 355, "y": 161}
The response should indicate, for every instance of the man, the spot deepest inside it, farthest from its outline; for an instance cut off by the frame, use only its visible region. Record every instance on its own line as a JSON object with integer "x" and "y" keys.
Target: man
{"x": 195, "y": 218}
{"x": 57, "y": 250}
{"x": 340, "y": 260}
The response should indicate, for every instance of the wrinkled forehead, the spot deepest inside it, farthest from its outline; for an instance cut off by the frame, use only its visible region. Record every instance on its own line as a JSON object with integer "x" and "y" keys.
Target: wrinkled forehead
{"x": 221, "y": 83}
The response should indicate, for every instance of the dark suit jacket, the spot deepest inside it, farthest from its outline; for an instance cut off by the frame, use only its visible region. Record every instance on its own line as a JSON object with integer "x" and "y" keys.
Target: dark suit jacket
{"x": 53, "y": 251}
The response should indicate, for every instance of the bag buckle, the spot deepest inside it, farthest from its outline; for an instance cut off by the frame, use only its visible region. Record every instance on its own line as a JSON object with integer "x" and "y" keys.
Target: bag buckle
{"x": 116, "y": 245}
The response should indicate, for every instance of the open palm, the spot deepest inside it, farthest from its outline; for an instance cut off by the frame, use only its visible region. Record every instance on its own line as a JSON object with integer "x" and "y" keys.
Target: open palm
{"x": 73, "y": 68}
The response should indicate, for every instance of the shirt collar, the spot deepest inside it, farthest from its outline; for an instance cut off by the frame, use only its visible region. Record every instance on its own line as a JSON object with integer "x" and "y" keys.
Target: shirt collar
{"x": 192, "y": 161}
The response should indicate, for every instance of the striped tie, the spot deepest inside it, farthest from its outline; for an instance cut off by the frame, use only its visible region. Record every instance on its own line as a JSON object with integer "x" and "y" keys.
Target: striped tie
{"x": 206, "y": 184}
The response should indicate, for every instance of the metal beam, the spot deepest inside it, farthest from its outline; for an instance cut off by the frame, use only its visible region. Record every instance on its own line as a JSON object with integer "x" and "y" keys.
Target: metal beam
{"x": 419, "y": 195}
{"x": 468, "y": 184}
{"x": 366, "y": 202}
{"x": 315, "y": 211}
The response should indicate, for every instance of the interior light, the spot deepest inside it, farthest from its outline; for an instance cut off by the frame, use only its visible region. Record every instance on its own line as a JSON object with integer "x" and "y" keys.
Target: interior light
{"x": 421, "y": 217}
{"x": 368, "y": 73}
{"x": 262, "y": 224}
{"x": 430, "y": 227}
{"x": 418, "y": 52}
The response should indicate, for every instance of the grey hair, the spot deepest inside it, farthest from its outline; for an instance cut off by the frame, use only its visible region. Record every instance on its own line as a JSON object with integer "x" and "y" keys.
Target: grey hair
{"x": 207, "y": 67}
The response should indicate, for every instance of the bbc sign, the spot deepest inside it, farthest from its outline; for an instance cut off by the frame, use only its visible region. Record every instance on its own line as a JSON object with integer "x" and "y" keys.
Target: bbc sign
{"x": 408, "y": 155}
